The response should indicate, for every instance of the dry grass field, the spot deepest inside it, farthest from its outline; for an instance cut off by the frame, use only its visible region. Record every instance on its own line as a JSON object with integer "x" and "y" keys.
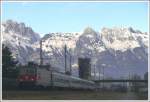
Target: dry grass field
{"x": 69, "y": 95}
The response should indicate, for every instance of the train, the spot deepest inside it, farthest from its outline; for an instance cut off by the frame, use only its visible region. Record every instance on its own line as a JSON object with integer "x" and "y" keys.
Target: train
{"x": 45, "y": 76}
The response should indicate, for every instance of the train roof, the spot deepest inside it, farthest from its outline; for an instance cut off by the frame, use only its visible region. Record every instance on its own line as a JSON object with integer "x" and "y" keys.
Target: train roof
{"x": 72, "y": 77}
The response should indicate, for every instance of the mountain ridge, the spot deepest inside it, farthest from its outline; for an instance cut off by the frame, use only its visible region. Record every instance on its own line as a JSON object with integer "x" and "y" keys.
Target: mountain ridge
{"x": 117, "y": 48}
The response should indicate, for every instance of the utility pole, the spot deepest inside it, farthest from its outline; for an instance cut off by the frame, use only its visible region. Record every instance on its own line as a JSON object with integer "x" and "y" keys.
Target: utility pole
{"x": 70, "y": 64}
{"x": 103, "y": 72}
{"x": 94, "y": 72}
{"x": 99, "y": 74}
{"x": 65, "y": 59}
{"x": 103, "y": 77}
{"x": 99, "y": 77}
{"x": 41, "y": 58}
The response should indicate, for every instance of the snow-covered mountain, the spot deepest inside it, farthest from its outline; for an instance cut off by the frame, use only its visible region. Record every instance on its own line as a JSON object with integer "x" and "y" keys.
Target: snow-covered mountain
{"x": 120, "y": 51}
{"x": 53, "y": 48}
{"x": 117, "y": 51}
{"x": 19, "y": 39}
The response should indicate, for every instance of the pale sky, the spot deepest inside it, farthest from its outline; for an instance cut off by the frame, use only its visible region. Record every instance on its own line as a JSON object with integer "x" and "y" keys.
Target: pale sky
{"x": 45, "y": 17}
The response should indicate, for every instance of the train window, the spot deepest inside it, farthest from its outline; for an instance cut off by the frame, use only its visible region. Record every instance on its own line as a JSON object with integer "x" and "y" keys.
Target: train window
{"x": 27, "y": 71}
{"x": 62, "y": 80}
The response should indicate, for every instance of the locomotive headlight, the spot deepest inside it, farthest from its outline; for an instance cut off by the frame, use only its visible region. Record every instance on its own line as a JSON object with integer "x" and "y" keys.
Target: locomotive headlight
{"x": 32, "y": 79}
{"x": 26, "y": 77}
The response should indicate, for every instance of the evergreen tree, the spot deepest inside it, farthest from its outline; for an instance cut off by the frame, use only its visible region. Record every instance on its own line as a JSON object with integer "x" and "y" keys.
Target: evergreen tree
{"x": 8, "y": 63}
